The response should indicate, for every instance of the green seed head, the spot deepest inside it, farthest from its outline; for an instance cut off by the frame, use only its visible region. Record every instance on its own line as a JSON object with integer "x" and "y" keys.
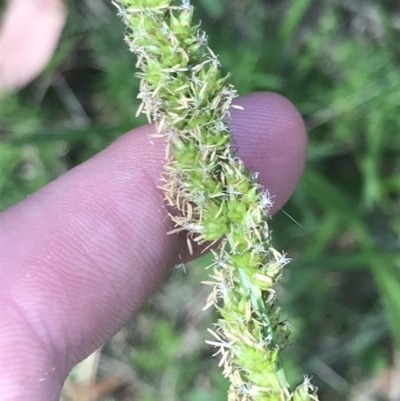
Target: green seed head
{"x": 216, "y": 198}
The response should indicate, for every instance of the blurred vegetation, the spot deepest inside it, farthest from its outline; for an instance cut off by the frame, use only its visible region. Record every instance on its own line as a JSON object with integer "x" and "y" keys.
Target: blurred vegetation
{"x": 338, "y": 62}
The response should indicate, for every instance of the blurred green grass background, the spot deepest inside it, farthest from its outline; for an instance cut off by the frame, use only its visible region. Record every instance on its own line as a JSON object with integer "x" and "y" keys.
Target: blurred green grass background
{"x": 338, "y": 62}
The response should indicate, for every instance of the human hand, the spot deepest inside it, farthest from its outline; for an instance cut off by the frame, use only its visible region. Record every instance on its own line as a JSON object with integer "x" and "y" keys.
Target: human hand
{"x": 80, "y": 256}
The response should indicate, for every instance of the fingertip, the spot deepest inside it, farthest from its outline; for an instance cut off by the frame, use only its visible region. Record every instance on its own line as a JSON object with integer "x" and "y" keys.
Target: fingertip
{"x": 29, "y": 34}
{"x": 271, "y": 138}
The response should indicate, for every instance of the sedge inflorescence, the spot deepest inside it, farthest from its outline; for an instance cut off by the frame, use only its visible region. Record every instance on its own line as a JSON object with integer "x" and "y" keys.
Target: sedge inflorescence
{"x": 217, "y": 200}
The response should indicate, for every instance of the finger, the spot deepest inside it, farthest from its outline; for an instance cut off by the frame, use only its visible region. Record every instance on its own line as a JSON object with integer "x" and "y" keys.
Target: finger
{"x": 28, "y": 36}
{"x": 272, "y": 140}
{"x": 80, "y": 256}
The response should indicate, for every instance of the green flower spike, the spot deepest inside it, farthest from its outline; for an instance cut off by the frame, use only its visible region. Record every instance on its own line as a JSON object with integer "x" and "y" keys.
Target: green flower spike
{"x": 217, "y": 199}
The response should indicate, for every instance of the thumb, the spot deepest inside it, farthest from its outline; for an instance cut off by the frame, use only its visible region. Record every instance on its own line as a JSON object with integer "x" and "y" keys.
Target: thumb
{"x": 28, "y": 36}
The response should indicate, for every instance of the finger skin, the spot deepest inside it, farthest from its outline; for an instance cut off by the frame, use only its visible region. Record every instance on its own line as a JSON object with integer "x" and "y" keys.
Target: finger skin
{"x": 79, "y": 257}
{"x": 271, "y": 140}
{"x": 29, "y": 34}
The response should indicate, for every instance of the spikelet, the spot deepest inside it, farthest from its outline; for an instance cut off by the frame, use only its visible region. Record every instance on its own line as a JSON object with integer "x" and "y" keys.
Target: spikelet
{"x": 217, "y": 200}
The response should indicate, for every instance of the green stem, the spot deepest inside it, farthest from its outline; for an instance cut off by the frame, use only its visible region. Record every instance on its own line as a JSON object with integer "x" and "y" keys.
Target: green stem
{"x": 259, "y": 306}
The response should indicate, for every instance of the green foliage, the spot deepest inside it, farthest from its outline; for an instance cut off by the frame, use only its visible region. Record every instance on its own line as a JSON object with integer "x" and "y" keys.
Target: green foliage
{"x": 340, "y": 68}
